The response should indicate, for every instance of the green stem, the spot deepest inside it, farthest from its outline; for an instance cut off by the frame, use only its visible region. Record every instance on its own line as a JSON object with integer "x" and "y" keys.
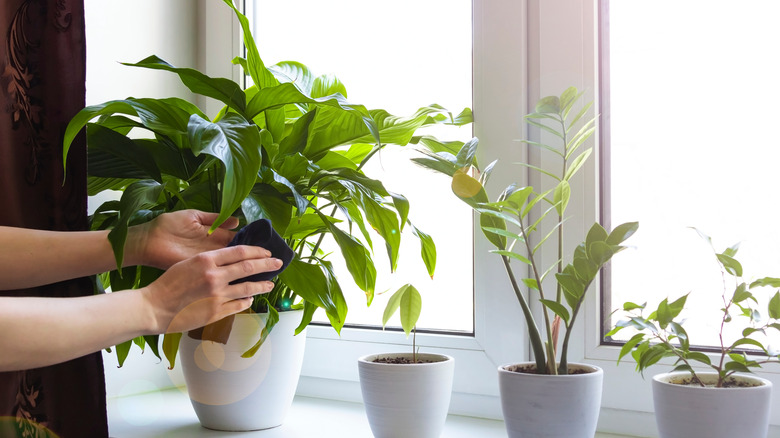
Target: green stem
{"x": 533, "y": 332}
{"x": 551, "y": 368}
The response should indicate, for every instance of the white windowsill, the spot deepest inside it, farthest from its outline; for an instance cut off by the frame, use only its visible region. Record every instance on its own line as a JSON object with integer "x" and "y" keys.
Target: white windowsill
{"x": 168, "y": 413}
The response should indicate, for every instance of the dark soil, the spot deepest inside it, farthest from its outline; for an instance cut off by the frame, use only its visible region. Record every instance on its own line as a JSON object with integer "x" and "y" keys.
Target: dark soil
{"x": 531, "y": 369}
{"x": 729, "y": 383}
{"x": 400, "y": 360}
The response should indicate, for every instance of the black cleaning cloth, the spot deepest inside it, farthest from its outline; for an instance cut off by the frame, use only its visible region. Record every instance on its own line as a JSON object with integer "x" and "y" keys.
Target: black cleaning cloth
{"x": 258, "y": 233}
{"x": 261, "y": 233}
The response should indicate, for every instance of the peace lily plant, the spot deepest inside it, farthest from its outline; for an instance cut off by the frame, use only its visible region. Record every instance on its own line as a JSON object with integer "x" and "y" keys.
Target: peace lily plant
{"x": 516, "y": 223}
{"x": 661, "y": 333}
{"x": 290, "y": 148}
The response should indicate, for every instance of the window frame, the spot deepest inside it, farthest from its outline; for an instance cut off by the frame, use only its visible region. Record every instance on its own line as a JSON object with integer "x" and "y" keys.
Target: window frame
{"x": 552, "y": 44}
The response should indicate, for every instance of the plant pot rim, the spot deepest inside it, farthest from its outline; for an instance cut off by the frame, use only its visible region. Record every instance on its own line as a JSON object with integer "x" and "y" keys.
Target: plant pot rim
{"x": 663, "y": 379}
{"x": 594, "y": 370}
{"x": 440, "y": 359}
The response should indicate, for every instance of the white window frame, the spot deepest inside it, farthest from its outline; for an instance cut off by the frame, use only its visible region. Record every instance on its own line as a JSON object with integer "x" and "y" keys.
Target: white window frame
{"x": 522, "y": 49}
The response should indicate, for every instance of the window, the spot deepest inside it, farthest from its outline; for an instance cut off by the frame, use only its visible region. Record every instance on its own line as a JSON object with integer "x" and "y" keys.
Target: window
{"x": 687, "y": 148}
{"x": 385, "y": 56}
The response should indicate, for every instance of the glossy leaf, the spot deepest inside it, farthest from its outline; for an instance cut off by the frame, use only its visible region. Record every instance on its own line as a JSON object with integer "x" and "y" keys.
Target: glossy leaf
{"x": 236, "y": 143}
{"x": 221, "y": 89}
{"x": 170, "y": 346}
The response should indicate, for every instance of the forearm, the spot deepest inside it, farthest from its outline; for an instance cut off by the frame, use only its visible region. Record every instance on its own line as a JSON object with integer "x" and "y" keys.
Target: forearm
{"x": 36, "y": 332}
{"x": 34, "y": 257}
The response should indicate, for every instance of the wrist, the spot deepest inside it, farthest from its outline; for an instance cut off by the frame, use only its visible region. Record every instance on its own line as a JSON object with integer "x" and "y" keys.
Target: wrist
{"x": 148, "y": 318}
{"x": 135, "y": 246}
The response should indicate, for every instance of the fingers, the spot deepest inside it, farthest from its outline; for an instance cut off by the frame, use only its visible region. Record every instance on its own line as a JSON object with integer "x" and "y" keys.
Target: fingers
{"x": 238, "y": 253}
{"x": 248, "y": 289}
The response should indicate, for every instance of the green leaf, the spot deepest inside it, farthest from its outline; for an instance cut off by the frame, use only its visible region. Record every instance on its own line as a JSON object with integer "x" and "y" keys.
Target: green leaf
{"x": 465, "y": 157}
{"x": 393, "y": 304}
{"x": 627, "y": 306}
{"x": 309, "y": 282}
{"x": 236, "y": 143}
{"x": 428, "y": 249}
{"x": 112, "y": 155}
{"x": 548, "y": 105}
{"x": 512, "y": 255}
{"x": 257, "y": 70}
{"x": 622, "y": 232}
{"x": 122, "y": 350}
{"x": 558, "y": 309}
{"x": 138, "y": 196}
{"x": 357, "y": 258}
{"x": 270, "y": 322}
{"x": 153, "y": 341}
{"x": 774, "y": 306}
{"x": 561, "y": 196}
{"x": 766, "y": 281}
{"x": 737, "y": 367}
{"x": 747, "y": 341}
{"x": 411, "y": 306}
{"x": 630, "y": 344}
{"x": 577, "y": 164}
{"x": 224, "y": 90}
{"x": 170, "y": 346}
{"x": 731, "y": 265}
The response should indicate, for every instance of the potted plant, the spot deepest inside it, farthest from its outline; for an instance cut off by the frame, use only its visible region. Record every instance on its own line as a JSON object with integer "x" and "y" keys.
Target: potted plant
{"x": 290, "y": 149}
{"x": 708, "y": 395}
{"x": 406, "y": 394}
{"x": 535, "y": 396}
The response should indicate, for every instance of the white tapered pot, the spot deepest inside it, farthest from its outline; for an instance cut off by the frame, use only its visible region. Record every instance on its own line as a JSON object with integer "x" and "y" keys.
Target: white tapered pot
{"x": 691, "y": 411}
{"x": 406, "y": 400}
{"x": 229, "y": 392}
{"x": 539, "y": 405}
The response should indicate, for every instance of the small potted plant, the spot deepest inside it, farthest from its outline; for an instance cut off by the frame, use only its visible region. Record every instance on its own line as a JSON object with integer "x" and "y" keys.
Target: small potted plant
{"x": 289, "y": 149}
{"x": 536, "y": 395}
{"x": 707, "y": 395}
{"x": 406, "y": 394}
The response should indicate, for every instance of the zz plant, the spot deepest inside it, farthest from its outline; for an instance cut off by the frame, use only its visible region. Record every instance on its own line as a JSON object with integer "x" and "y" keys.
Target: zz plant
{"x": 289, "y": 148}
{"x": 661, "y": 334}
{"x": 518, "y": 236}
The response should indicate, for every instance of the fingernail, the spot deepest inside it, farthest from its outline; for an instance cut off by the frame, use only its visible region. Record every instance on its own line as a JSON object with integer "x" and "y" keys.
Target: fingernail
{"x": 269, "y": 286}
{"x": 267, "y": 253}
{"x": 277, "y": 263}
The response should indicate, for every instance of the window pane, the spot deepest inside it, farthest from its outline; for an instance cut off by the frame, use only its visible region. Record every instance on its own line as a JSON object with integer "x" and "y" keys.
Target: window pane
{"x": 692, "y": 101}
{"x": 397, "y": 56}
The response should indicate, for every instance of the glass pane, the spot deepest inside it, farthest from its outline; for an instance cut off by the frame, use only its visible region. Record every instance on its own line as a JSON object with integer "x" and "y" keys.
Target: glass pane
{"x": 692, "y": 104}
{"x": 397, "y": 56}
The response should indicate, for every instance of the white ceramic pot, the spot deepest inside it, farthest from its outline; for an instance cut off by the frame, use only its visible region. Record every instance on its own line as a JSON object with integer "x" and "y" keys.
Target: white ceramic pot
{"x": 406, "y": 400}
{"x": 688, "y": 411}
{"x": 229, "y": 392}
{"x": 538, "y": 405}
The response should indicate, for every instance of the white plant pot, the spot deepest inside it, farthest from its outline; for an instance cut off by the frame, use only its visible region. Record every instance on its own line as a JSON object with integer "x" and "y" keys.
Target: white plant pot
{"x": 406, "y": 400}
{"x": 229, "y": 392}
{"x": 538, "y": 405}
{"x": 688, "y": 411}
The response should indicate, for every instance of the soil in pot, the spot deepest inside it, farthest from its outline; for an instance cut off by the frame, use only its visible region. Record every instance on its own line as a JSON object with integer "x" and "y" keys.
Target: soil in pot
{"x": 728, "y": 383}
{"x": 402, "y": 360}
{"x": 531, "y": 369}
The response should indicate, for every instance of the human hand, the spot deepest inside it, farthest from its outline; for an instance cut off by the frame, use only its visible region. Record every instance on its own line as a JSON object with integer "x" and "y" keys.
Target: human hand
{"x": 173, "y": 237}
{"x": 197, "y": 291}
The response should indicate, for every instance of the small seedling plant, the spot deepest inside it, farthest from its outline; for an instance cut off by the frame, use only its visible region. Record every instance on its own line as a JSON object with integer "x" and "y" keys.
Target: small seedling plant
{"x": 661, "y": 333}
{"x": 408, "y": 302}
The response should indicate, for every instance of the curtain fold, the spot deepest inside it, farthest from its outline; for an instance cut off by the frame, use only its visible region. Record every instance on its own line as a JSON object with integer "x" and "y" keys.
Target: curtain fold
{"x": 42, "y": 83}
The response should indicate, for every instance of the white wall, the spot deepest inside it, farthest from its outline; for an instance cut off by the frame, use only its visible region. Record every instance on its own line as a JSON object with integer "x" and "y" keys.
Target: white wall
{"x": 129, "y": 31}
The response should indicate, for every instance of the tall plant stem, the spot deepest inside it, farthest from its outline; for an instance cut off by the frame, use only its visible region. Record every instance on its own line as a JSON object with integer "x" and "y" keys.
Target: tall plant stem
{"x": 551, "y": 368}
{"x": 533, "y": 332}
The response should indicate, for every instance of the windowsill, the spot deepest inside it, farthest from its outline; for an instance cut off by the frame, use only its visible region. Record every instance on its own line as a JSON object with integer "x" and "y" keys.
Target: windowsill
{"x": 168, "y": 413}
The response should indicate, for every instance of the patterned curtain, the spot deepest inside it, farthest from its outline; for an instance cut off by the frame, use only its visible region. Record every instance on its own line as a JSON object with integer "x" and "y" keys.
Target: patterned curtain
{"x": 42, "y": 77}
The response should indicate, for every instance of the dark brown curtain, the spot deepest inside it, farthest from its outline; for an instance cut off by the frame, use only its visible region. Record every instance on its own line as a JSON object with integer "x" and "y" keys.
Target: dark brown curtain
{"x": 43, "y": 58}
